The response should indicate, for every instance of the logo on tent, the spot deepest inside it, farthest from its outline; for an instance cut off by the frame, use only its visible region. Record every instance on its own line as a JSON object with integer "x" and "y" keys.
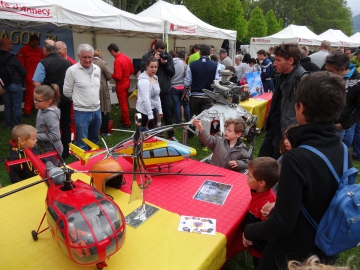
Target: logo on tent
{"x": 304, "y": 40}
{"x": 345, "y": 43}
{"x": 261, "y": 40}
{"x": 181, "y": 28}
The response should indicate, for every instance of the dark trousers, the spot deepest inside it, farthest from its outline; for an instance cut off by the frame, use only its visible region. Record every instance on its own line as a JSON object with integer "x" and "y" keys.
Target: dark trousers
{"x": 65, "y": 121}
{"x": 165, "y": 105}
{"x": 270, "y": 146}
{"x": 268, "y": 85}
{"x": 104, "y": 128}
{"x": 145, "y": 123}
{"x": 199, "y": 104}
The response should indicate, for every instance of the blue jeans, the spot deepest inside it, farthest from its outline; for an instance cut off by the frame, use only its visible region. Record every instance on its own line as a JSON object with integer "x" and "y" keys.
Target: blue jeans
{"x": 341, "y": 133}
{"x": 13, "y": 97}
{"x": 352, "y": 137}
{"x": 176, "y": 96}
{"x": 87, "y": 126}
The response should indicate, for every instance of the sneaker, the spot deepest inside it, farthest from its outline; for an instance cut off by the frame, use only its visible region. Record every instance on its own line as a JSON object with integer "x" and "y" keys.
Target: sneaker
{"x": 173, "y": 138}
{"x": 204, "y": 148}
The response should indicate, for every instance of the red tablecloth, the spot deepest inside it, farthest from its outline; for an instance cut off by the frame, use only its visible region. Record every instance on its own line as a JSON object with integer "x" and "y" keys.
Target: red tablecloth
{"x": 175, "y": 194}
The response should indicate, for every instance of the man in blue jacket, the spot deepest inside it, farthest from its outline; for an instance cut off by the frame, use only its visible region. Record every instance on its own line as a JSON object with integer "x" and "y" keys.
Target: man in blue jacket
{"x": 266, "y": 71}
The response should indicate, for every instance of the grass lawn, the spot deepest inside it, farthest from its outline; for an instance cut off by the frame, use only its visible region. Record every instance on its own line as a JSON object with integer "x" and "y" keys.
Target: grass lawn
{"x": 237, "y": 262}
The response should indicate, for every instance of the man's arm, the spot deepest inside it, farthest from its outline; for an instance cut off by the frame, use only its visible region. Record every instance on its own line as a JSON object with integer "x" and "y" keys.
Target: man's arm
{"x": 118, "y": 71}
{"x": 39, "y": 75}
{"x": 188, "y": 78}
{"x": 68, "y": 84}
{"x": 169, "y": 67}
{"x": 217, "y": 74}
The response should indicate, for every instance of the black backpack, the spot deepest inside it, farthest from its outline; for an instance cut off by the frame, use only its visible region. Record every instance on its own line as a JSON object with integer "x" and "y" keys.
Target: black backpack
{"x": 5, "y": 78}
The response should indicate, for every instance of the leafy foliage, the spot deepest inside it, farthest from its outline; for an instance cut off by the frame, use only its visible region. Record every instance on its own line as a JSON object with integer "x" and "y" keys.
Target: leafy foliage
{"x": 317, "y": 15}
{"x": 227, "y": 14}
{"x": 257, "y": 24}
{"x": 272, "y": 24}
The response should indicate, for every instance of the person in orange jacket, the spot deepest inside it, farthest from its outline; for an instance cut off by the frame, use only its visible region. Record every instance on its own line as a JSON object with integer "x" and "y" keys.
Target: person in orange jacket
{"x": 123, "y": 68}
{"x": 29, "y": 56}
{"x": 76, "y": 237}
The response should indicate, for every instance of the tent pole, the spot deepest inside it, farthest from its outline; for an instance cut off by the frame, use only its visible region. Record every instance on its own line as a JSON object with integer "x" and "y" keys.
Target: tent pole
{"x": 93, "y": 39}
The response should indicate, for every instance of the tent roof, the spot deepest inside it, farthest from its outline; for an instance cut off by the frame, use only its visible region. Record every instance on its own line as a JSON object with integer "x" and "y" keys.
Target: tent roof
{"x": 180, "y": 21}
{"x": 356, "y": 37}
{"x": 338, "y": 38}
{"x": 80, "y": 16}
{"x": 292, "y": 33}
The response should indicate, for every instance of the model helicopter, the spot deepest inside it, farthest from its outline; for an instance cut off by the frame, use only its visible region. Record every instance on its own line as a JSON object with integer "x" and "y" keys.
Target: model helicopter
{"x": 156, "y": 151}
{"x": 87, "y": 225}
{"x": 226, "y": 97}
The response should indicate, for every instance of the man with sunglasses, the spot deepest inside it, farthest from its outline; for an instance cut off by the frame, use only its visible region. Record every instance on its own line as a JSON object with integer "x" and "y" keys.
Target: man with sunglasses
{"x": 282, "y": 109}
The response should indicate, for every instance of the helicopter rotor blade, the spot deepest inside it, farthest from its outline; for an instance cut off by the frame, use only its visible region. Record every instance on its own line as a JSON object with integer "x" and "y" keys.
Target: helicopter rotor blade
{"x": 24, "y": 187}
{"x": 153, "y": 173}
{"x": 53, "y": 145}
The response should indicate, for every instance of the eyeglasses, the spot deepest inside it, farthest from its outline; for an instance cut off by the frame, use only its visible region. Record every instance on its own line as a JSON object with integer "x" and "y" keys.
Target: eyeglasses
{"x": 38, "y": 101}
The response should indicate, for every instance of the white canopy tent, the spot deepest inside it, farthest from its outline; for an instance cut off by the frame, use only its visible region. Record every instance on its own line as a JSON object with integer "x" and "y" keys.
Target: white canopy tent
{"x": 338, "y": 39}
{"x": 182, "y": 25}
{"x": 79, "y": 16}
{"x": 356, "y": 37}
{"x": 293, "y": 33}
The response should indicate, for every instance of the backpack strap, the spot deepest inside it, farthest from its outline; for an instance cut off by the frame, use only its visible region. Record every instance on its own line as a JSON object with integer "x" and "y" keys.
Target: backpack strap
{"x": 346, "y": 173}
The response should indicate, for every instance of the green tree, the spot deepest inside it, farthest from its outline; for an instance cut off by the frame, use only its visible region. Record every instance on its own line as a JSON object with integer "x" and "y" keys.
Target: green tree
{"x": 256, "y": 25}
{"x": 227, "y": 14}
{"x": 272, "y": 23}
{"x": 317, "y": 15}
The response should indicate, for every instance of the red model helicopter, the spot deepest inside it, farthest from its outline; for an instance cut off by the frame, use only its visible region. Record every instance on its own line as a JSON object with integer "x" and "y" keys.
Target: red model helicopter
{"x": 87, "y": 225}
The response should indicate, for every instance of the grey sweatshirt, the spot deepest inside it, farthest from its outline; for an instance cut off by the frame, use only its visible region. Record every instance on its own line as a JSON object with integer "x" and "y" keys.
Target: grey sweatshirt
{"x": 178, "y": 78}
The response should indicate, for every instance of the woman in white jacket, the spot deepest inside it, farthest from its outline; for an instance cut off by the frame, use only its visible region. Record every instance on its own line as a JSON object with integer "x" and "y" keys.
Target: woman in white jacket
{"x": 148, "y": 101}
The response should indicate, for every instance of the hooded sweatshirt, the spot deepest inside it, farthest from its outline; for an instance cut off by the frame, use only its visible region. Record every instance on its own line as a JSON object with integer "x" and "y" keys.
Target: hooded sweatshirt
{"x": 178, "y": 78}
{"x": 48, "y": 119}
{"x": 148, "y": 96}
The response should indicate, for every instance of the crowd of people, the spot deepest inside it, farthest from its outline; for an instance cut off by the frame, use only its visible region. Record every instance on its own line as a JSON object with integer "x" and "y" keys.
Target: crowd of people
{"x": 316, "y": 102}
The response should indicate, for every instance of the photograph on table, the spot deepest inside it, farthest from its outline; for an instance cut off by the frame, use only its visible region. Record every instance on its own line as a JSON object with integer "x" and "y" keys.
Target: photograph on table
{"x": 213, "y": 192}
{"x": 255, "y": 85}
{"x": 198, "y": 225}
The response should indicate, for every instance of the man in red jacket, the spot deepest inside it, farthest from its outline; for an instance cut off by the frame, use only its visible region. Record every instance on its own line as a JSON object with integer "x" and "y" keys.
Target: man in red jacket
{"x": 123, "y": 68}
{"x": 29, "y": 56}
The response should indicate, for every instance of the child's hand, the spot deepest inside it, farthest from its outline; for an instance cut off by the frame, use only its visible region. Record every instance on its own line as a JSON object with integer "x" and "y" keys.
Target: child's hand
{"x": 267, "y": 209}
{"x": 233, "y": 164}
{"x": 246, "y": 242}
{"x": 198, "y": 124}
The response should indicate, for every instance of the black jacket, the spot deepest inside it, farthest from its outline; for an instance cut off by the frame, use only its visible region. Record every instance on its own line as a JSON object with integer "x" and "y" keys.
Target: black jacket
{"x": 24, "y": 170}
{"x": 16, "y": 70}
{"x": 282, "y": 110}
{"x": 165, "y": 71}
{"x": 304, "y": 178}
{"x": 55, "y": 70}
{"x": 308, "y": 65}
{"x": 351, "y": 112}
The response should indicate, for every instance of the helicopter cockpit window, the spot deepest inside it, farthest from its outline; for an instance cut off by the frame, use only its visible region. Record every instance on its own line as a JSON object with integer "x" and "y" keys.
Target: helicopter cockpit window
{"x": 65, "y": 209}
{"x": 98, "y": 195}
{"x": 160, "y": 152}
{"x": 173, "y": 152}
{"x": 98, "y": 221}
{"x": 113, "y": 214}
{"x": 81, "y": 240}
{"x": 146, "y": 154}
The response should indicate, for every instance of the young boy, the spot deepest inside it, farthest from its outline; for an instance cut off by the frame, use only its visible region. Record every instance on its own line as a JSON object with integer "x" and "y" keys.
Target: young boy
{"x": 264, "y": 172}
{"x": 22, "y": 136}
{"x": 229, "y": 152}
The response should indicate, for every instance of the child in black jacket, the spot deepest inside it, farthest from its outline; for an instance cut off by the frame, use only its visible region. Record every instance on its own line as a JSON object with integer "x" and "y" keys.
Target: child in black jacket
{"x": 22, "y": 136}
